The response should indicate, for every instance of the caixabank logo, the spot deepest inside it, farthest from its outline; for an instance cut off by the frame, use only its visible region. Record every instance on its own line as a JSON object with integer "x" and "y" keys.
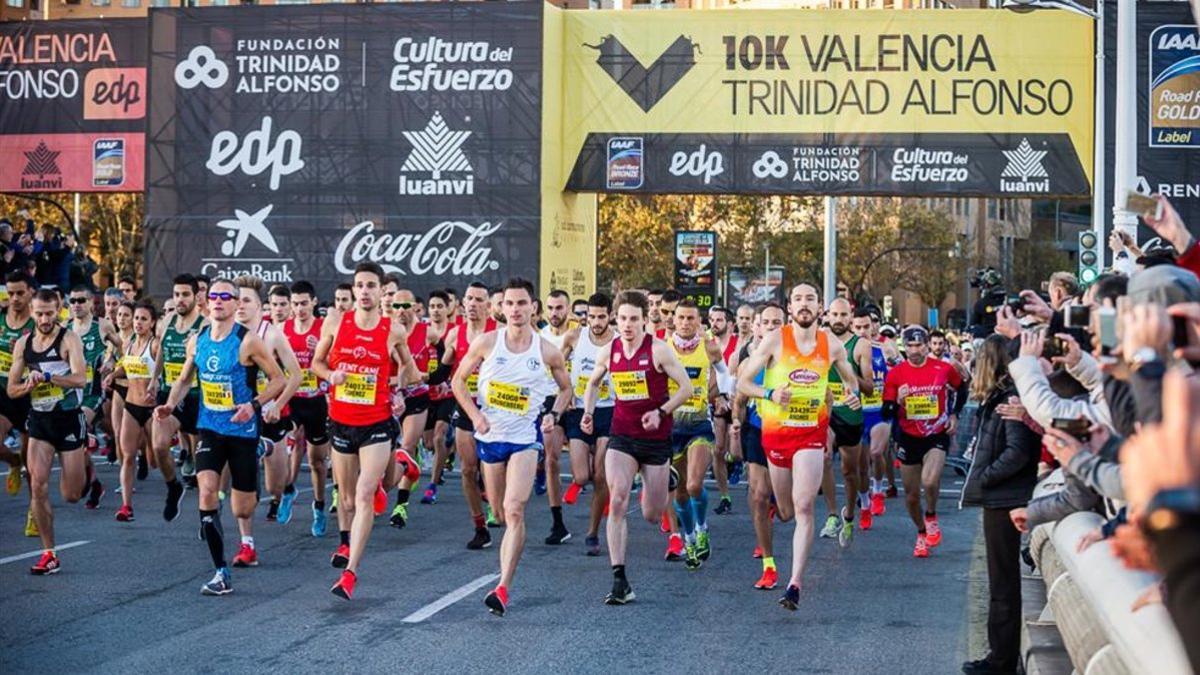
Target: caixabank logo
{"x": 646, "y": 85}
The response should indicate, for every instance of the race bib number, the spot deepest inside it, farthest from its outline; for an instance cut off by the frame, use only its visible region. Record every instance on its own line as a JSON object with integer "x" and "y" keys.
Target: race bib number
{"x": 473, "y": 384}
{"x": 359, "y": 389}
{"x": 581, "y": 384}
{"x": 697, "y": 402}
{"x": 874, "y": 399}
{"x": 173, "y": 371}
{"x": 919, "y": 408}
{"x": 5, "y": 362}
{"x": 803, "y": 411}
{"x": 45, "y": 396}
{"x": 508, "y": 397}
{"x": 630, "y": 385}
{"x": 91, "y": 373}
{"x": 136, "y": 369}
{"x": 308, "y": 382}
{"x": 431, "y": 366}
{"x": 218, "y": 396}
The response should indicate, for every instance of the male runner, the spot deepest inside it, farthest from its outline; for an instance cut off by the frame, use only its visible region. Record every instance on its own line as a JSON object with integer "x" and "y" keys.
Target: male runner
{"x": 96, "y": 335}
{"x": 221, "y": 358}
{"x": 478, "y": 321}
{"x": 54, "y": 383}
{"x": 18, "y": 322}
{"x": 512, "y": 368}
{"x": 916, "y": 395}
{"x": 423, "y": 344}
{"x": 846, "y": 423}
{"x": 588, "y": 450}
{"x": 310, "y": 409}
{"x": 357, "y": 355}
{"x": 343, "y": 297}
{"x": 454, "y": 314}
{"x": 655, "y": 319}
{"x": 794, "y": 406}
{"x": 555, "y": 332}
{"x": 745, "y": 323}
{"x": 877, "y": 433}
{"x": 176, "y": 330}
{"x": 496, "y": 302}
{"x": 727, "y": 340}
{"x": 640, "y": 439}
{"x": 770, "y": 317}
{"x": 441, "y": 398}
{"x": 579, "y": 310}
{"x": 275, "y": 422}
{"x": 279, "y": 302}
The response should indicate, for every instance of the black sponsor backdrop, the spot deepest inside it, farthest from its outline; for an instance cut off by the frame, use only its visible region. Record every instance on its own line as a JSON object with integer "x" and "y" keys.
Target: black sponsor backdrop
{"x": 344, "y": 205}
{"x": 1174, "y": 171}
{"x": 52, "y": 113}
{"x": 840, "y": 164}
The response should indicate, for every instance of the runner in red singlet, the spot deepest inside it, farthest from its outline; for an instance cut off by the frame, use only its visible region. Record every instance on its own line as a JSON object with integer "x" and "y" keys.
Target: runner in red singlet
{"x": 310, "y": 409}
{"x": 422, "y": 344}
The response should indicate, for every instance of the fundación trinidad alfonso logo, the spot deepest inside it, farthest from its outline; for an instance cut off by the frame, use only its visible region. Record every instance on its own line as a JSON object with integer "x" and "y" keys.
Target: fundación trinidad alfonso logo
{"x": 645, "y": 85}
{"x": 201, "y": 67}
{"x": 1024, "y": 164}
{"x": 437, "y": 150}
{"x": 41, "y": 162}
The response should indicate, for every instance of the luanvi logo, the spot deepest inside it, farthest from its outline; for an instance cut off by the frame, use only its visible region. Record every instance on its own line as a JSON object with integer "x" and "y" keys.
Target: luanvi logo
{"x": 41, "y": 162}
{"x": 646, "y": 86}
{"x": 437, "y": 150}
{"x": 1024, "y": 163}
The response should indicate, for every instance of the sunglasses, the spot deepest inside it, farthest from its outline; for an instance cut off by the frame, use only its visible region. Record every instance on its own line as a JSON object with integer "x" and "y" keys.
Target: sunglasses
{"x": 78, "y": 301}
{"x": 401, "y": 305}
{"x": 223, "y": 296}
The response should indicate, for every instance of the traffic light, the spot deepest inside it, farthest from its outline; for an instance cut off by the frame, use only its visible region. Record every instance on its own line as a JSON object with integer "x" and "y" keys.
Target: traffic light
{"x": 1089, "y": 257}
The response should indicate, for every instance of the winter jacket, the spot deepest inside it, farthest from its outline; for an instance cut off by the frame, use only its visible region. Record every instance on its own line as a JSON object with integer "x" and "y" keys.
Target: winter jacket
{"x": 1044, "y": 405}
{"x": 1003, "y": 472}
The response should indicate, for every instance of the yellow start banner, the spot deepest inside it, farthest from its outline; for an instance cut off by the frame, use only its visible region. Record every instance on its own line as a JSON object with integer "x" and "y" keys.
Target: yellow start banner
{"x": 880, "y": 102}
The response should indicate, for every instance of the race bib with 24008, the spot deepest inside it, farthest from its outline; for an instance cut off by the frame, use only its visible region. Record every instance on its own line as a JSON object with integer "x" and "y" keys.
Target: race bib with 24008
{"x": 630, "y": 385}
{"x": 508, "y": 397}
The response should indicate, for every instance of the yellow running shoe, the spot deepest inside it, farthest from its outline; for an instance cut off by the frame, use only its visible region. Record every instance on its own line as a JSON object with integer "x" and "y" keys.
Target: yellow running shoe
{"x": 14, "y": 481}
{"x": 31, "y": 528}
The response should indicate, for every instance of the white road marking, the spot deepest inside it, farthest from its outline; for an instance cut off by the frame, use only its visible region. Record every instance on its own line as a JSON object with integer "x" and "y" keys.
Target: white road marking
{"x": 34, "y": 554}
{"x": 449, "y": 599}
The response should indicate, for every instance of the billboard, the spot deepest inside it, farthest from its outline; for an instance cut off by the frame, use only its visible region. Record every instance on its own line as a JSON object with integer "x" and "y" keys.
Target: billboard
{"x": 295, "y": 143}
{"x": 72, "y": 105}
{"x": 696, "y": 266}
{"x": 749, "y": 286}
{"x": 963, "y": 103}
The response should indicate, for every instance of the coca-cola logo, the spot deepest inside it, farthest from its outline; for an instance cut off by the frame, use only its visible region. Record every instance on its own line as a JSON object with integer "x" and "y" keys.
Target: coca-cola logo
{"x": 450, "y": 247}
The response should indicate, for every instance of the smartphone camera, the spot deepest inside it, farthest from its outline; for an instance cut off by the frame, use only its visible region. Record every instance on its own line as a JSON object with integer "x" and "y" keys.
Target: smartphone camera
{"x": 1078, "y": 316}
{"x": 1054, "y": 346}
{"x": 1014, "y": 302}
{"x": 1079, "y": 429}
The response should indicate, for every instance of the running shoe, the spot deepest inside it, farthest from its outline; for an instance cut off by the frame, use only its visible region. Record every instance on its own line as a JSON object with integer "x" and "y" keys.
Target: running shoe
{"x": 333, "y": 501}
{"x": 481, "y": 540}
{"x": 892, "y": 492}
{"x": 430, "y": 496}
{"x": 187, "y": 467}
{"x": 539, "y": 482}
{"x": 933, "y": 531}
{"x": 621, "y": 594}
{"x": 285, "y": 506}
{"x": 246, "y": 557}
{"x": 47, "y": 564}
{"x": 143, "y": 468}
{"x": 490, "y": 516}
{"x": 673, "y": 481}
{"x": 692, "y": 561}
{"x": 921, "y": 550}
{"x": 219, "y": 585}
{"x": 572, "y": 494}
{"x": 735, "y": 473}
{"x": 675, "y": 549}
{"x": 558, "y": 535}
{"x": 878, "y": 504}
{"x": 318, "y": 524}
{"x": 758, "y": 553}
{"x": 865, "y": 519}
{"x": 845, "y": 532}
{"x": 791, "y": 598}
{"x": 832, "y": 525}
{"x": 703, "y": 546}
{"x": 664, "y": 526}
{"x": 273, "y": 511}
{"x": 768, "y": 581}
{"x": 344, "y": 588}
{"x": 31, "y": 528}
{"x": 341, "y": 557}
{"x": 175, "y": 492}
{"x": 13, "y": 485}
{"x": 593, "y": 546}
{"x": 125, "y": 513}
{"x": 400, "y": 516}
{"x": 497, "y": 601}
{"x": 725, "y": 507}
{"x": 94, "y": 495}
{"x": 381, "y": 500}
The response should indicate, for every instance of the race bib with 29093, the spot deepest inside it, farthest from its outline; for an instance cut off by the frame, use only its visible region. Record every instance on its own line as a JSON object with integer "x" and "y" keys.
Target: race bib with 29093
{"x": 218, "y": 396}
{"x": 630, "y": 385}
{"x": 359, "y": 389}
{"x": 508, "y": 397}
{"x": 581, "y": 384}
{"x": 921, "y": 407}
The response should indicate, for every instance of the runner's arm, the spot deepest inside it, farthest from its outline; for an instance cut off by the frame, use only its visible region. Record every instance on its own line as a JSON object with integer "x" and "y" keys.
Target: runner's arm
{"x": 17, "y": 387}
{"x": 184, "y": 384}
{"x": 723, "y": 381}
{"x": 558, "y": 370}
{"x": 407, "y": 368}
{"x": 665, "y": 359}
{"x": 320, "y": 361}
{"x": 592, "y": 394}
{"x": 458, "y": 384}
{"x": 758, "y": 360}
{"x": 78, "y": 377}
{"x": 891, "y": 386}
{"x": 866, "y": 381}
{"x": 446, "y": 363}
{"x": 256, "y": 351}
{"x": 291, "y": 365}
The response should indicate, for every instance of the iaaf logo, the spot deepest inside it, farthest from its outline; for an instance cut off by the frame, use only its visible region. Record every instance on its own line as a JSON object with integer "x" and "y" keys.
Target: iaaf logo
{"x": 431, "y": 252}
{"x": 1024, "y": 163}
{"x": 239, "y": 231}
{"x": 437, "y": 149}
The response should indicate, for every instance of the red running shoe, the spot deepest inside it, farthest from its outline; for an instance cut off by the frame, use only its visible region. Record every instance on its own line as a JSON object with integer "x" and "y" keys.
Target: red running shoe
{"x": 674, "y": 547}
{"x": 921, "y": 550}
{"x": 381, "y": 500}
{"x": 125, "y": 513}
{"x": 344, "y": 588}
{"x": 933, "y": 532}
{"x": 768, "y": 580}
{"x": 665, "y": 525}
{"x": 757, "y": 553}
{"x": 572, "y": 494}
{"x": 878, "y": 505}
{"x": 341, "y": 557}
{"x": 865, "y": 519}
{"x": 497, "y": 601}
{"x": 246, "y": 557}
{"x": 47, "y": 564}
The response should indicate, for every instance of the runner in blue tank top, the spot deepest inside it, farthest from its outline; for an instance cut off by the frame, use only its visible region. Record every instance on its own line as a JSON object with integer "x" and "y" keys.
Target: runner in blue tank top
{"x": 876, "y": 432}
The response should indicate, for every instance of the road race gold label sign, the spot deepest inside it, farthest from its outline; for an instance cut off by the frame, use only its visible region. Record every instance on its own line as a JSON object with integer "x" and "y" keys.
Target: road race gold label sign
{"x": 969, "y": 102}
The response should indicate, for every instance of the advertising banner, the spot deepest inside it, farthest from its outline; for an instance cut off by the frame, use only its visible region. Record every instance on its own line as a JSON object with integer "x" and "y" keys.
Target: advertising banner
{"x": 696, "y": 267}
{"x": 963, "y": 103}
{"x": 295, "y": 143}
{"x": 72, "y": 105}
{"x": 749, "y": 286}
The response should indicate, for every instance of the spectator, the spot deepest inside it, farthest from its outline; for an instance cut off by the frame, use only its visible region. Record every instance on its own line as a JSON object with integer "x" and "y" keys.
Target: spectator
{"x": 1002, "y": 477}
{"x": 128, "y": 288}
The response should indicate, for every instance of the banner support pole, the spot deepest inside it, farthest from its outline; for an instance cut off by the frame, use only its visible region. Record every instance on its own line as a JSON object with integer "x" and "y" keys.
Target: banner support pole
{"x": 1098, "y": 149}
{"x": 1125, "y": 154}
{"x": 830, "y": 286}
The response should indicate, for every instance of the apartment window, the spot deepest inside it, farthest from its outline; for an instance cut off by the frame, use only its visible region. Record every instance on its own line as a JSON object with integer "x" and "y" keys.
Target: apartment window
{"x": 15, "y": 3}
{"x": 160, "y": 3}
{"x": 131, "y": 3}
{"x": 219, "y": 3}
{"x": 101, "y": 3}
{"x": 991, "y": 209}
{"x": 291, "y": 2}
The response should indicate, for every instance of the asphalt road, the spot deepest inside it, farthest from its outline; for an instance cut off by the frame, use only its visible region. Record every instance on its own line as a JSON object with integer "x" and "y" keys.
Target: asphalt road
{"x": 127, "y": 598}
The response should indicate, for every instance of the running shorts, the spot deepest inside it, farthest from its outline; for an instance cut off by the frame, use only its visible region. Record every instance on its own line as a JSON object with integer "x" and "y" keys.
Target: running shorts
{"x": 497, "y": 452}
{"x": 348, "y": 439}
{"x": 414, "y": 405}
{"x": 462, "y": 420}
{"x": 187, "y": 412}
{"x": 312, "y": 415}
{"x": 911, "y": 450}
{"x": 601, "y": 424}
{"x": 15, "y": 409}
{"x": 845, "y": 435}
{"x": 684, "y": 435}
{"x": 66, "y": 430}
{"x": 646, "y": 452}
{"x": 752, "y": 447}
{"x": 140, "y": 413}
{"x": 214, "y": 451}
{"x": 277, "y": 431}
{"x": 439, "y": 411}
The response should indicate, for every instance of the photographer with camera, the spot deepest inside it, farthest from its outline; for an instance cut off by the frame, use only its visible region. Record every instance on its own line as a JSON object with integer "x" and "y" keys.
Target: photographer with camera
{"x": 991, "y": 298}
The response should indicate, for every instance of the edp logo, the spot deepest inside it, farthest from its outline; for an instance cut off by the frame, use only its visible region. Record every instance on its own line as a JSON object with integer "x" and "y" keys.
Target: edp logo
{"x": 699, "y": 163}
{"x": 256, "y": 153}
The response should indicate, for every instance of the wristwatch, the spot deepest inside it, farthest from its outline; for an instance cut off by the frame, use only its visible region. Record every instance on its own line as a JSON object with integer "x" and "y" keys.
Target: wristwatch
{"x": 1147, "y": 358}
{"x": 1169, "y": 508}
